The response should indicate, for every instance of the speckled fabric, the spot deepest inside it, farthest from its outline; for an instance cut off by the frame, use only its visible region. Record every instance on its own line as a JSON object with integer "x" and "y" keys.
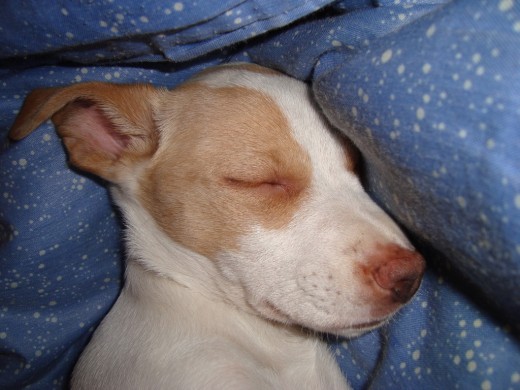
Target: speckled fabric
{"x": 428, "y": 90}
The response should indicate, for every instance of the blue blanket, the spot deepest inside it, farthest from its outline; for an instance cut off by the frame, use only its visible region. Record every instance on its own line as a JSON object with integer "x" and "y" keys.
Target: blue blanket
{"x": 429, "y": 92}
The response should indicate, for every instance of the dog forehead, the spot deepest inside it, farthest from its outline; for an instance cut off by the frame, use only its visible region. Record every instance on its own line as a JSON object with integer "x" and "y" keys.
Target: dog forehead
{"x": 223, "y": 114}
{"x": 255, "y": 78}
{"x": 293, "y": 98}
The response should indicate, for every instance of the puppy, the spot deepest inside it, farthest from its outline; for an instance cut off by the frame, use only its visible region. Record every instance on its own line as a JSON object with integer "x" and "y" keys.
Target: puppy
{"x": 247, "y": 232}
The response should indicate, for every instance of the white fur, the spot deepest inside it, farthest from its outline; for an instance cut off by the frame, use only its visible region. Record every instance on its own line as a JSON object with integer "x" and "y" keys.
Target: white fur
{"x": 184, "y": 321}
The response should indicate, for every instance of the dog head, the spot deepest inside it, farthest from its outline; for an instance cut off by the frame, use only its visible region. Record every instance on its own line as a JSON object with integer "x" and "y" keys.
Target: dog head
{"x": 238, "y": 168}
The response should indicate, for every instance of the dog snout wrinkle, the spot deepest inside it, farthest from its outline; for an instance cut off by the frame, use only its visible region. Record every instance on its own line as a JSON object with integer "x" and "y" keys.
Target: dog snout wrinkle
{"x": 400, "y": 273}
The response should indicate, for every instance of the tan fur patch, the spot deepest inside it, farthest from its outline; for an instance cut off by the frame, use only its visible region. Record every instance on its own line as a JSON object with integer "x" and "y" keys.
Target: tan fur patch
{"x": 227, "y": 161}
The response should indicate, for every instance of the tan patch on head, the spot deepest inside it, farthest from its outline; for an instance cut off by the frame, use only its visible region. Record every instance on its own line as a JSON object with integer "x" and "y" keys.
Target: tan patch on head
{"x": 227, "y": 162}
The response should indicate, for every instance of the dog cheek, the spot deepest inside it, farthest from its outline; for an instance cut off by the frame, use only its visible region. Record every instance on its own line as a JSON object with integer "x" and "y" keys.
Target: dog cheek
{"x": 252, "y": 266}
{"x": 240, "y": 281}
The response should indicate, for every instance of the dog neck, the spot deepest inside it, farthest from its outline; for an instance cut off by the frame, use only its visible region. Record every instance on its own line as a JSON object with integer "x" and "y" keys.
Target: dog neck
{"x": 156, "y": 253}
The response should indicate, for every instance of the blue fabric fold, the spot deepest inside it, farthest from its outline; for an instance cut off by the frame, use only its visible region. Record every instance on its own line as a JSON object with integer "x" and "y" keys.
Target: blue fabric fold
{"x": 428, "y": 90}
{"x": 175, "y": 31}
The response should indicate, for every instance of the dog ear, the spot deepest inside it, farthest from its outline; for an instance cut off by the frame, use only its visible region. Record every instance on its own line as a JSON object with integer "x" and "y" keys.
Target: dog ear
{"x": 106, "y": 128}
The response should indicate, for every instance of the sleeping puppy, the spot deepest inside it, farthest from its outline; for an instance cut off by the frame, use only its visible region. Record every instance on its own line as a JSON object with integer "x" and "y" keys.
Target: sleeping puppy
{"x": 247, "y": 232}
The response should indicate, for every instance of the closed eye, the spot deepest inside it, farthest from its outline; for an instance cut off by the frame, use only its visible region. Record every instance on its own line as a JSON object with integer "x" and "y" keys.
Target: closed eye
{"x": 267, "y": 187}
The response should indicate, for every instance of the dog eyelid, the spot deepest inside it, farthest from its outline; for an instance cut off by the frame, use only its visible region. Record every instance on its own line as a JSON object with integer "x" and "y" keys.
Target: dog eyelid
{"x": 249, "y": 183}
{"x": 267, "y": 185}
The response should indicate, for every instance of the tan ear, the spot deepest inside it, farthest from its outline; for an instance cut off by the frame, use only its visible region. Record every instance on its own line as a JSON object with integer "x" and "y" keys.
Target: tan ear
{"x": 106, "y": 128}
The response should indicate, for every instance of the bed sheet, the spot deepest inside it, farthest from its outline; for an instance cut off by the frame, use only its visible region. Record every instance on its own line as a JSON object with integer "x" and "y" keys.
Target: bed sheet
{"x": 428, "y": 90}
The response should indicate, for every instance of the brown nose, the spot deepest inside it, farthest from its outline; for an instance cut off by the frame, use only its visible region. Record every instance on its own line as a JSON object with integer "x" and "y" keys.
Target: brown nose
{"x": 400, "y": 272}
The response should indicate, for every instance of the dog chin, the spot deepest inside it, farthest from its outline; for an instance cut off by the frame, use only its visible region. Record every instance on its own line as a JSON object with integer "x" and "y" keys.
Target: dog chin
{"x": 271, "y": 312}
{"x": 358, "y": 330}
{"x": 350, "y": 331}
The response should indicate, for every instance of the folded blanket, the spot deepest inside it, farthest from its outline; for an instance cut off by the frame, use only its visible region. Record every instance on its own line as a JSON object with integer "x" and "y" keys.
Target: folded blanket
{"x": 138, "y": 31}
{"x": 428, "y": 90}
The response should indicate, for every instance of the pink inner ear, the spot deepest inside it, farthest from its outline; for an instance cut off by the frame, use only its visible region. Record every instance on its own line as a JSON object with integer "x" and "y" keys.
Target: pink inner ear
{"x": 93, "y": 127}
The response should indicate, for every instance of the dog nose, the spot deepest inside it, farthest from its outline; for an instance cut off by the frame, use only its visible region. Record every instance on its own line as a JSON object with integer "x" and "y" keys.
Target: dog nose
{"x": 400, "y": 272}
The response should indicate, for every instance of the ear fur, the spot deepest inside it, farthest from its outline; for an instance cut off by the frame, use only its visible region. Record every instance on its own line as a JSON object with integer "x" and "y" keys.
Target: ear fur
{"x": 106, "y": 128}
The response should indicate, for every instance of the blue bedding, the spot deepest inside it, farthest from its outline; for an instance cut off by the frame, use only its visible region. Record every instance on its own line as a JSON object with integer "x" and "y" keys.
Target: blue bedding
{"x": 428, "y": 91}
